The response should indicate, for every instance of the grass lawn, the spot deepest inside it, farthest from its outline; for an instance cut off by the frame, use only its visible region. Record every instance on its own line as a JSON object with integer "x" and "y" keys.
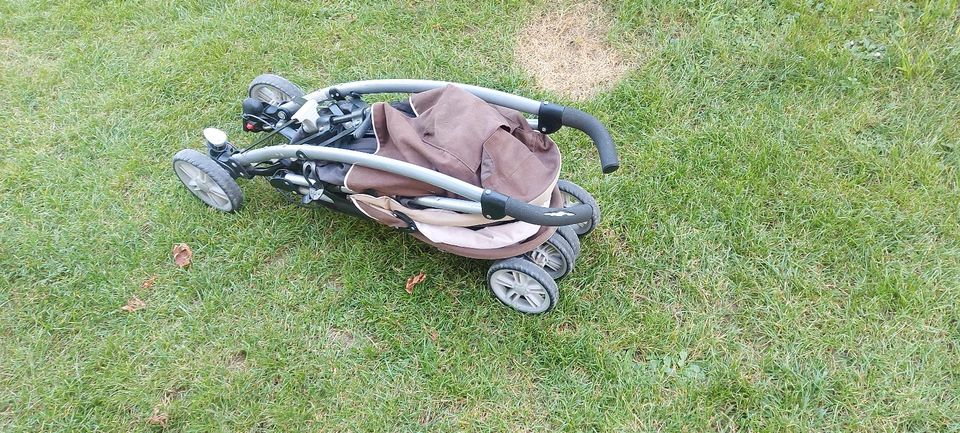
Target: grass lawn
{"x": 780, "y": 249}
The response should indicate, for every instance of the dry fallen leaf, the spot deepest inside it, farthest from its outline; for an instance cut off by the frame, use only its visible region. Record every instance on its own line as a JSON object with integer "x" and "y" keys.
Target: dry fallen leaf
{"x": 158, "y": 418}
{"x": 414, "y": 280}
{"x": 148, "y": 283}
{"x": 182, "y": 255}
{"x": 133, "y": 304}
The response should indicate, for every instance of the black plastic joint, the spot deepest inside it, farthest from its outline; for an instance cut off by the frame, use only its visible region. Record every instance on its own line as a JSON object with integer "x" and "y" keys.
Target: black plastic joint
{"x": 549, "y": 117}
{"x": 493, "y": 204}
{"x": 411, "y": 224}
{"x": 335, "y": 93}
{"x": 233, "y": 169}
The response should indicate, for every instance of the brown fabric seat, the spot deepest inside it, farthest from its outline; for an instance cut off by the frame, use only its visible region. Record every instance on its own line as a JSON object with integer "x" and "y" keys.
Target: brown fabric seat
{"x": 460, "y": 135}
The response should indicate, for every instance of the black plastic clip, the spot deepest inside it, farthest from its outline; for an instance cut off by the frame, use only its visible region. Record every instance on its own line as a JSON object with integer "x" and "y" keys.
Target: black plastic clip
{"x": 549, "y": 117}
{"x": 235, "y": 170}
{"x": 411, "y": 224}
{"x": 493, "y": 204}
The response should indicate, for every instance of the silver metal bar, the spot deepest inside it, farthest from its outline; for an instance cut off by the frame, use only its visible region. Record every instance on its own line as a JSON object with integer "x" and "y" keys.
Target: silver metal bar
{"x": 296, "y": 179}
{"x": 456, "y": 205}
{"x": 495, "y": 97}
{"x": 377, "y": 162}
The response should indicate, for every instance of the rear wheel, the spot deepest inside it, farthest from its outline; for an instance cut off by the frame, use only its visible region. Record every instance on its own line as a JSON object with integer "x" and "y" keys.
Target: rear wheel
{"x": 571, "y": 237}
{"x": 523, "y": 286}
{"x": 555, "y": 256}
{"x": 573, "y": 194}
{"x": 273, "y": 89}
{"x": 207, "y": 180}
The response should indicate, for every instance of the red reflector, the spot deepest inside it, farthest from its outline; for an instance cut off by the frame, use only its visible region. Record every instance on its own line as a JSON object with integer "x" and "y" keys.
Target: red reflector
{"x": 249, "y": 126}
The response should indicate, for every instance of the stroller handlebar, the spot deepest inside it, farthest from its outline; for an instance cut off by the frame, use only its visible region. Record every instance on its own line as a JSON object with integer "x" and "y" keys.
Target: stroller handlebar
{"x": 577, "y": 119}
{"x": 496, "y": 205}
{"x": 570, "y": 116}
{"x": 545, "y": 216}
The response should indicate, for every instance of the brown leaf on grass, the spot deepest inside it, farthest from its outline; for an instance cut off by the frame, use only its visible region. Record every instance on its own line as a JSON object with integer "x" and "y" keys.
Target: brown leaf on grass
{"x": 158, "y": 418}
{"x": 133, "y": 304}
{"x": 414, "y": 280}
{"x": 148, "y": 283}
{"x": 182, "y": 255}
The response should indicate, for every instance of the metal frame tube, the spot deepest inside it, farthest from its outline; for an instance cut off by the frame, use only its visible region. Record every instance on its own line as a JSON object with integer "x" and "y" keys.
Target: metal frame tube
{"x": 495, "y": 97}
{"x": 377, "y": 162}
{"x": 457, "y": 205}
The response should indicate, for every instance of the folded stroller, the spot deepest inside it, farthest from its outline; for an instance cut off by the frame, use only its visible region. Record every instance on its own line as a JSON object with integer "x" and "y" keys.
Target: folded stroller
{"x": 457, "y": 166}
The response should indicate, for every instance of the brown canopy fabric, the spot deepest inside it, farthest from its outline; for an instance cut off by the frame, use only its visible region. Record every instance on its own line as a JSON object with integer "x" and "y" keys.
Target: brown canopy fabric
{"x": 458, "y": 134}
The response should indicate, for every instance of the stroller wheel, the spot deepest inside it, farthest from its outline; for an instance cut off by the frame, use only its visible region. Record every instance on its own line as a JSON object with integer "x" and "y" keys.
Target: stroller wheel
{"x": 522, "y": 285}
{"x": 555, "y": 256}
{"x": 207, "y": 180}
{"x": 273, "y": 89}
{"x": 571, "y": 237}
{"x": 574, "y": 194}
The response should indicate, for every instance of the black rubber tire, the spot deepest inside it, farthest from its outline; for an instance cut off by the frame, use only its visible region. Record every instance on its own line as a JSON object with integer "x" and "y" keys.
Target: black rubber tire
{"x": 571, "y": 237}
{"x": 285, "y": 88}
{"x": 231, "y": 191}
{"x": 534, "y": 272}
{"x": 556, "y": 244}
{"x": 570, "y": 189}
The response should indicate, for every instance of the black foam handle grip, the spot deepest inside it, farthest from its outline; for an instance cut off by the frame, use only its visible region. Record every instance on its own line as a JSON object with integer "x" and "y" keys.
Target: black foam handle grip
{"x": 597, "y": 132}
{"x": 546, "y": 216}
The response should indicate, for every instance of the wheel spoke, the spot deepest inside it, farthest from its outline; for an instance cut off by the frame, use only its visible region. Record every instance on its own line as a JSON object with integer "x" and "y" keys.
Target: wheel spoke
{"x": 186, "y": 169}
{"x": 522, "y": 279}
{"x": 534, "y": 300}
{"x": 217, "y": 199}
{"x": 554, "y": 263}
{"x": 218, "y": 193}
{"x": 505, "y": 280}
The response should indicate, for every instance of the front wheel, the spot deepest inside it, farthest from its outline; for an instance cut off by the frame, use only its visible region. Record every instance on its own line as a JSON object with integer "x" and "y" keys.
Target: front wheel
{"x": 522, "y": 285}
{"x": 207, "y": 180}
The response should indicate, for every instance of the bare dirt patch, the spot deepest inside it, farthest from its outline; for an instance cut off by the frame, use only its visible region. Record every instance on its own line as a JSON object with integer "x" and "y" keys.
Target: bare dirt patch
{"x": 6, "y": 46}
{"x": 567, "y": 52}
{"x": 237, "y": 361}
{"x": 340, "y": 338}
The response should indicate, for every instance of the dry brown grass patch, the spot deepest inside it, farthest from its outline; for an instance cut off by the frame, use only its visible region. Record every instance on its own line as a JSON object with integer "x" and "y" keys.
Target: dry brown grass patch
{"x": 566, "y": 51}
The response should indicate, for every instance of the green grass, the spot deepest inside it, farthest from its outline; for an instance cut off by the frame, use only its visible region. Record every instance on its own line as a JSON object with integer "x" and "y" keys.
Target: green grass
{"x": 780, "y": 250}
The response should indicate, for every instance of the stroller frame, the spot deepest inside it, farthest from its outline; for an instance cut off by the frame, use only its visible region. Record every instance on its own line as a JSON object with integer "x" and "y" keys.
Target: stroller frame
{"x": 286, "y": 117}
